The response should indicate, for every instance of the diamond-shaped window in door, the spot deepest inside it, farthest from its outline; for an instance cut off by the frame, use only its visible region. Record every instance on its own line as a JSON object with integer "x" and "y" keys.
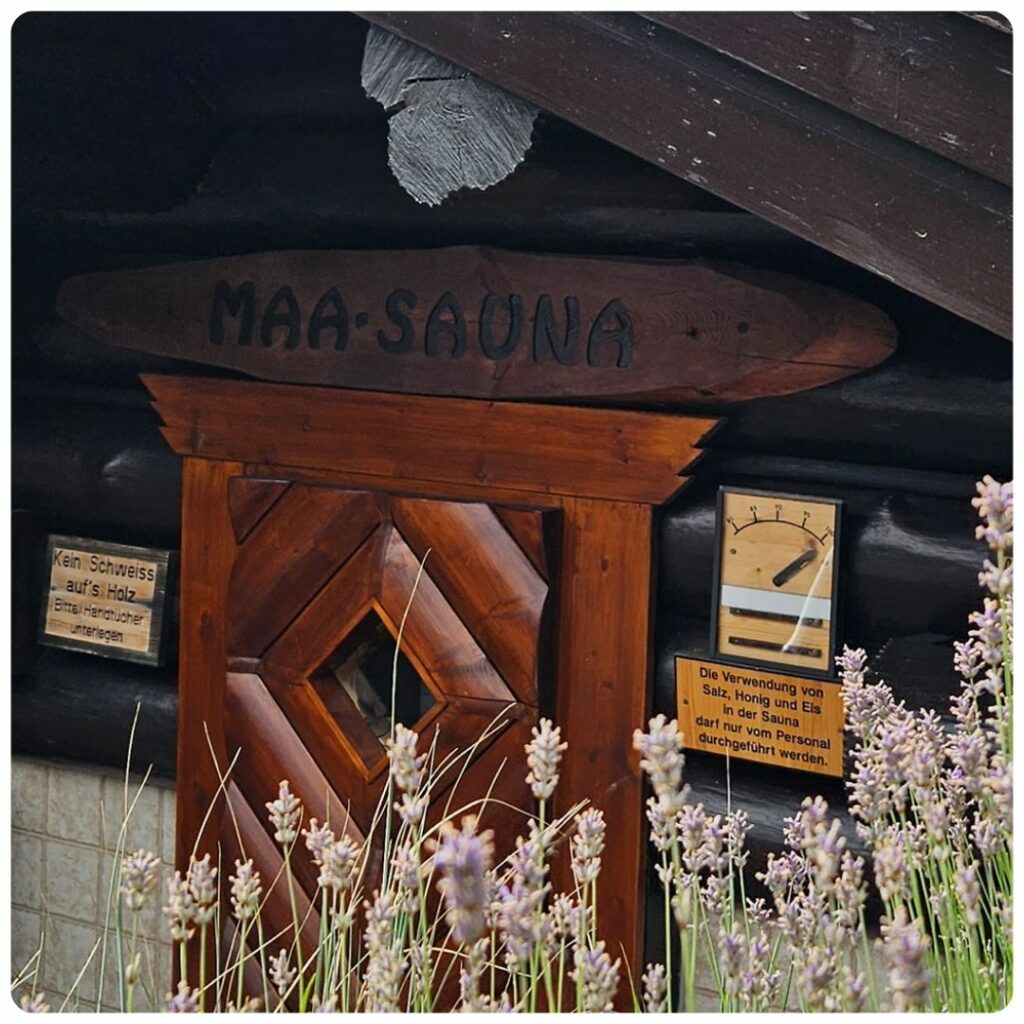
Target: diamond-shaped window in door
{"x": 361, "y": 678}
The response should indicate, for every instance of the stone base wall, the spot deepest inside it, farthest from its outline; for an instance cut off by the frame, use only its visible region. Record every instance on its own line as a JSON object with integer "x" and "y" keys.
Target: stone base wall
{"x": 65, "y": 824}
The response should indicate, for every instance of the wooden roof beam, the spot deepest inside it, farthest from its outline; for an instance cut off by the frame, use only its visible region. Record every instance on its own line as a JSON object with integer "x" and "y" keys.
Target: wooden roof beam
{"x": 929, "y": 225}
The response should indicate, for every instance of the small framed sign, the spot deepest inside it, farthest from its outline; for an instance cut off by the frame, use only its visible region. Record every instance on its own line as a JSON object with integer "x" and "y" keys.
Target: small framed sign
{"x": 776, "y": 585}
{"x": 767, "y": 716}
{"x": 106, "y": 599}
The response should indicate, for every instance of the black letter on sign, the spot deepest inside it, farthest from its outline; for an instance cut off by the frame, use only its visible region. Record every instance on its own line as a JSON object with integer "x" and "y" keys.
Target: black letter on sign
{"x": 227, "y": 300}
{"x": 545, "y": 330}
{"x": 612, "y": 325}
{"x": 403, "y": 343}
{"x": 515, "y": 327}
{"x": 456, "y": 326}
{"x": 273, "y": 317}
{"x": 322, "y": 320}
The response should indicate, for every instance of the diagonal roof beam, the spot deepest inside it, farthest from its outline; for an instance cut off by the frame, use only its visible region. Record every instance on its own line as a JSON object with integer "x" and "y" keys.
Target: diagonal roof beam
{"x": 915, "y": 218}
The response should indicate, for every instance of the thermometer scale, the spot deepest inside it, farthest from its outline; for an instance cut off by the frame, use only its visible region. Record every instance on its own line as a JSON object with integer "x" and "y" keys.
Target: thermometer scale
{"x": 776, "y": 580}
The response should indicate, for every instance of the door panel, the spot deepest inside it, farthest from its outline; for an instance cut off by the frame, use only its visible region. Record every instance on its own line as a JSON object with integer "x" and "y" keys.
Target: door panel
{"x": 323, "y": 580}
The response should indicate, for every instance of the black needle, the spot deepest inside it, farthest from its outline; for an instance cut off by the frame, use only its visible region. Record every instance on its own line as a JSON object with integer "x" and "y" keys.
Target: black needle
{"x": 803, "y": 559}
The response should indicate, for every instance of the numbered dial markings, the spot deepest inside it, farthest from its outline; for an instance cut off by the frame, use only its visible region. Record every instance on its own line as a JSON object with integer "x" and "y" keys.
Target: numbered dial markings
{"x": 776, "y": 574}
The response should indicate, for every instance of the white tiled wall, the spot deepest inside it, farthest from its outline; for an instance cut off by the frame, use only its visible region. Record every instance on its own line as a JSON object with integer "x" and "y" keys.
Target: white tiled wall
{"x": 66, "y": 819}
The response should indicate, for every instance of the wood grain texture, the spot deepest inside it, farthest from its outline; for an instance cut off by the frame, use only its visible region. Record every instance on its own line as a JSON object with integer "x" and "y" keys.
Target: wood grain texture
{"x": 931, "y": 78}
{"x": 613, "y": 454}
{"x": 289, "y": 555}
{"x": 207, "y": 551}
{"x": 531, "y": 532}
{"x": 827, "y": 176}
{"x": 249, "y": 500}
{"x": 447, "y": 130}
{"x": 603, "y": 695}
{"x": 486, "y": 577}
{"x": 485, "y": 323}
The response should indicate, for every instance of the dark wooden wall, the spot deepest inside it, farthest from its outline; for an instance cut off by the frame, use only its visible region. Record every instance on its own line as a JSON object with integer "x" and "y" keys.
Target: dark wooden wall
{"x": 143, "y": 139}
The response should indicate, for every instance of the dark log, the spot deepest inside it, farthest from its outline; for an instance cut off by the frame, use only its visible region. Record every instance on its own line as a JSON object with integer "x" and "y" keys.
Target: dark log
{"x": 934, "y": 414}
{"x": 133, "y": 132}
{"x": 81, "y": 708}
{"x": 829, "y": 177}
{"x": 910, "y": 561}
{"x": 932, "y": 78}
{"x": 28, "y": 535}
{"x": 87, "y": 465}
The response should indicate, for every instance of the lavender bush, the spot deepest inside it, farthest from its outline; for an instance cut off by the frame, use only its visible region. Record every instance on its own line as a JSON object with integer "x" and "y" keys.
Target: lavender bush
{"x": 932, "y": 805}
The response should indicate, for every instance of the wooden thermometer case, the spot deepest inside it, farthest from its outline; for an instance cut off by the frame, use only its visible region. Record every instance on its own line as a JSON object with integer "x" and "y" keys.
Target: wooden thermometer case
{"x": 776, "y": 580}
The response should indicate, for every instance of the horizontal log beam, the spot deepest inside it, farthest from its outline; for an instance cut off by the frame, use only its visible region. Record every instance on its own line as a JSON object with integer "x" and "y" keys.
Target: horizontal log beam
{"x": 829, "y": 177}
{"x": 81, "y": 708}
{"x": 936, "y": 79}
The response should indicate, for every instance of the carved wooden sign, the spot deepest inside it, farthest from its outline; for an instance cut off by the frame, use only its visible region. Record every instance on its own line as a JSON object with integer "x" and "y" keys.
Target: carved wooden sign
{"x": 105, "y": 599}
{"x": 482, "y": 323}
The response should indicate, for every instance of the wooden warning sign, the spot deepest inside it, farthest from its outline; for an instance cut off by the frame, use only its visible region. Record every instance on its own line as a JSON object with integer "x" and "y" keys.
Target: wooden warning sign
{"x": 761, "y": 715}
{"x": 105, "y": 599}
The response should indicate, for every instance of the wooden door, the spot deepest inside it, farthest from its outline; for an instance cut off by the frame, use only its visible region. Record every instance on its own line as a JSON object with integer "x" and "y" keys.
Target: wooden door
{"x": 259, "y": 634}
{"x": 321, "y": 582}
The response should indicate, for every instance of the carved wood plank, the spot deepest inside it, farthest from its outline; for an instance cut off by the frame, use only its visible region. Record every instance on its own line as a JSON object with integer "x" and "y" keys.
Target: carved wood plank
{"x": 614, "y": 454}
{"x": 289, "y": 556}
{"x": 603, "y": 694}
{"x": 435, "y": 637}
{"x": 207, "y": 551}
{"x": 485, "y": 323}
{"x": 269, "y": 745}
{"x": 487, "y": 579}
{"x": 528, "y": 530}
{"x": 248, "y": 502}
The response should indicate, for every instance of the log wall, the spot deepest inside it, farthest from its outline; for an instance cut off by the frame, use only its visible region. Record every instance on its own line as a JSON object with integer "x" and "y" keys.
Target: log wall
{"x": 177, "y": 149}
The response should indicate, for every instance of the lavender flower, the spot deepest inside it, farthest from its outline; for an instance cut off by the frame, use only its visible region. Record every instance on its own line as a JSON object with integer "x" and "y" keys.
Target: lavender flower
{"x": 407, "y": 878}
{"x": 405, "y": 764}
{"x": 598, "y": 978}
{"x": 731, "y": 956}
{"x": 587, "y": 845}
{"x": 139, "y": 877}
{"x": 385, "y": 968}
{"x": 285, "y": 813}
{"x": 463, "y": 858}
{"x": 905, "y": 947}
{"x": 318, "y": 837}
{"x": 245, "y": 891}
{"x": 995, "y": 506}
{"x": 202, "y": 884}
{"x": 339, "y": 860}
{"x": 184, "y": 1001}
{"x": 655, "y": 989}
{"x": 661, "y": 758}
{"x": 181, "y": 908}
{"x": 968, "y": 889}
{"x": 891, "y": 868}
{"x": 543, "y": 756}
{"x": 281, "y": 975}
{"x": 406, "y": 767}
